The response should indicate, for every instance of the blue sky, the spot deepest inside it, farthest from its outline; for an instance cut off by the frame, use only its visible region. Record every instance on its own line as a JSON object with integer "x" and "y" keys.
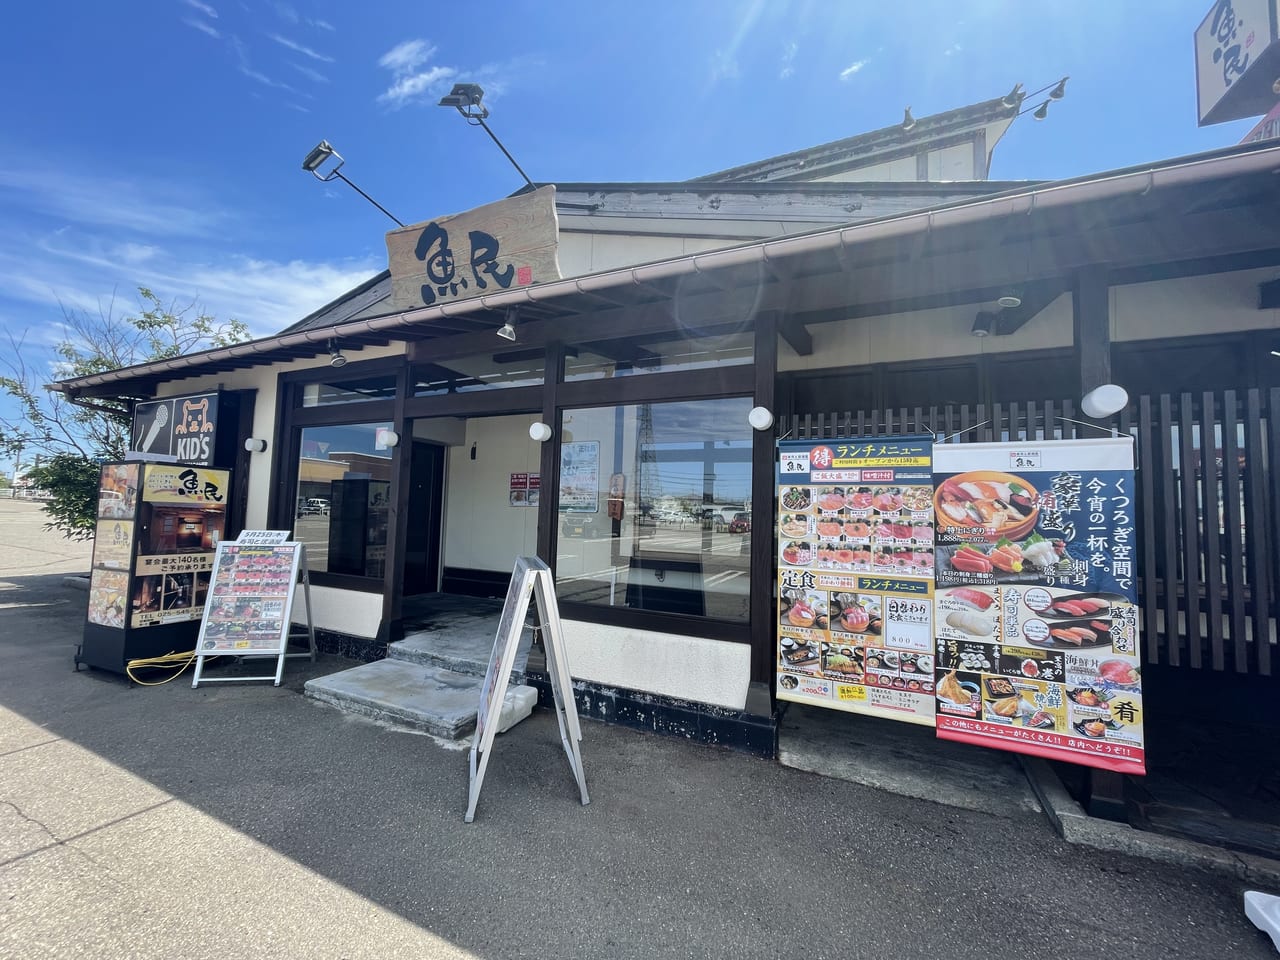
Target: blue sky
{"x": 159, "y": 142}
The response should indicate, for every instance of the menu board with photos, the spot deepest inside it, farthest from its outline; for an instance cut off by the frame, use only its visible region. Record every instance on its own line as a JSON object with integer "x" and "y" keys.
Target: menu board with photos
{"x": 113, "y": 544}
{"x": 1035, "y": 604}
{"x": 855, "y": 568}
{"x": 250, "y": 599}
{"x": 181, "y": 521}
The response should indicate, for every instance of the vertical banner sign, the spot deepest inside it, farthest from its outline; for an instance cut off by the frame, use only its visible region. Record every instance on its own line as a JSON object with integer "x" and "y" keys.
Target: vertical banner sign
{"x": 855, "y": 569}
{"x": 1035, "y": 600}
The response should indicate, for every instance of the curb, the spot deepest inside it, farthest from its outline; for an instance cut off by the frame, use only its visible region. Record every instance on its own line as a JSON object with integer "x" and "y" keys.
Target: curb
{"x": 1075, "y": 826}
{"x": 80, "y": 583}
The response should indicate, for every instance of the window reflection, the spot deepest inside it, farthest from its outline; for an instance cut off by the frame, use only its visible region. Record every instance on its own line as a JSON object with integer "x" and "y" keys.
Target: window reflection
{"x": 343, "y": 498}
{"x": 654, "y": 507}
{"x": 349, "y": 391}
{"x": 636, "y": 356}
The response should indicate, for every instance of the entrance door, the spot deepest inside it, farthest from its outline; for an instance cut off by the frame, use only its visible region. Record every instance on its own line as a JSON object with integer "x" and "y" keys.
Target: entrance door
{"x": 426, "y": 504}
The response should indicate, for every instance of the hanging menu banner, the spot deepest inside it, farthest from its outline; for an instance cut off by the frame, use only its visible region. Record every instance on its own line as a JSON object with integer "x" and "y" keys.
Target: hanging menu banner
{"x": 855, "y": 575}
{"x": 1035, "y": 601}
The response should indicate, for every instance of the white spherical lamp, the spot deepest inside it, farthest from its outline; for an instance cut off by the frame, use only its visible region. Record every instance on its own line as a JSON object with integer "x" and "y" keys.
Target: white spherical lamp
{"x": 540, "y": 432}
{"x": 1104, "y": 401}
{"x": 760, "y": 418}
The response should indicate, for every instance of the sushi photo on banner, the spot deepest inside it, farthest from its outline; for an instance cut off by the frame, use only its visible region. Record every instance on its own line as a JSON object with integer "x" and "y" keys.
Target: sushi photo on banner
{"x": 1035, "y": 600}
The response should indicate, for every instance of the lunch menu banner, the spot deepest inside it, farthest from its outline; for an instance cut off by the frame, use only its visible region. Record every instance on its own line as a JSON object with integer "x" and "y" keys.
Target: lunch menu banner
{"x": 1035, "y": 600}
{"x": 855, "y": 576}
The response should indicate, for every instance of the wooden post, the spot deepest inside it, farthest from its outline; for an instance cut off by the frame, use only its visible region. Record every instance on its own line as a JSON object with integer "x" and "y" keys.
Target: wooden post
{"x": 762, "y": 493}
{"x": 549, "y": 463}
{"x": 1091, "y": 314}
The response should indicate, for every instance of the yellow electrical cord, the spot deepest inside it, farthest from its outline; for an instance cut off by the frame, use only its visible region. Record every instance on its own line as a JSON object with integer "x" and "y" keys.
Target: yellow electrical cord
{"x": 170, "y": 659}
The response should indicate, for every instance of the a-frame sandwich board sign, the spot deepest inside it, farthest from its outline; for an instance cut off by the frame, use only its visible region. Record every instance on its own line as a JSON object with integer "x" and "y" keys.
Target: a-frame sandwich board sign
{"x": 530, "y": 576}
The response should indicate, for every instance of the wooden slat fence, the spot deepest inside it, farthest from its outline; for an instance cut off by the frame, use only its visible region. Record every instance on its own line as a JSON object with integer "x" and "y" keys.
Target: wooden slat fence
{"x": 1208, "y": 501}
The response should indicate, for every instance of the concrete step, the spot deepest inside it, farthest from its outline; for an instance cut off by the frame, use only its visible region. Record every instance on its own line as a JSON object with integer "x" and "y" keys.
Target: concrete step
{"x": 419, "y": 696}
{"x": 461, "y": 650}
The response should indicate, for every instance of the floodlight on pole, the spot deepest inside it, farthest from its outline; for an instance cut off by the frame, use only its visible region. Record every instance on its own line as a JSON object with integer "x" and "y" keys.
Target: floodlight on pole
{"x": 466, "y": 97}
{"x": 323, "y": 153}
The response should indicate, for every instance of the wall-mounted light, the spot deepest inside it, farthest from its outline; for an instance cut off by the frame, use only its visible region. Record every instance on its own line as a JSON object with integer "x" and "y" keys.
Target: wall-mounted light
{"x": 760, "y": 418}
{"x": 324, "y": 153}
{"x": 1104, "y": 401}
{"x": 387, "y": 438}
{"x": 336, "y": 359}
{"x": 466, "y": 97}
{"x": 1010, "y": 300}
{"x": 254, "y": 445}
{"x": 540, "y": 432}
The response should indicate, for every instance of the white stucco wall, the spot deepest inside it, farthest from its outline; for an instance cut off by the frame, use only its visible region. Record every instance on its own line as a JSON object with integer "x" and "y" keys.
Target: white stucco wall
{"x": 924, "y": 335}
{"x": 1192, "y": 306}
{"x": 482, "y": 531}
{"x": 690, "y": 668}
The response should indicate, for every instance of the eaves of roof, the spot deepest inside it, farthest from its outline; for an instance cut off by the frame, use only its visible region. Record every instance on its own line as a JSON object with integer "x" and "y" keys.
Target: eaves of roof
{"x": 1242, "y": 160}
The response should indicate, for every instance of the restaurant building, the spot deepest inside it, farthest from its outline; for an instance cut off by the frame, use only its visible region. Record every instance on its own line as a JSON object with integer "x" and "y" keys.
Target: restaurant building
{"x": 878, "y": 285}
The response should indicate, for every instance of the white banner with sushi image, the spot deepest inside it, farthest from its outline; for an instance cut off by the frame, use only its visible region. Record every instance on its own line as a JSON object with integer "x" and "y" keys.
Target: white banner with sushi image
{"x": 1035, "y": 614}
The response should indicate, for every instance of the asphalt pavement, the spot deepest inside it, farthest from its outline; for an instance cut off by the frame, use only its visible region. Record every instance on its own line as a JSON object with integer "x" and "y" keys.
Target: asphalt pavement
{"x": 246, "y": 821}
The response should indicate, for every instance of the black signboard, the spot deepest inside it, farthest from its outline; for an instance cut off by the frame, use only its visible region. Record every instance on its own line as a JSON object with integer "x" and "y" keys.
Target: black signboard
{"x": 184, "y": 428}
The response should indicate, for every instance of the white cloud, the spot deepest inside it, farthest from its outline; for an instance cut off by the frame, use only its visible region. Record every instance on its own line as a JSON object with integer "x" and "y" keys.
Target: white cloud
{"x": 321, "y": 24}
{"x": 294, "y": 106}
{"x": 299, "y": 48}
{"x": 159, "y": 210}
{"x": 310, "y": 74}
{"x": 204, "y": 8}
{"x": 724, "y": 66}
{"x": 952, "y": 50}
{"x": 286, "y": 13}
{"x": 266, "y": 294}
{"x": 409, "y": 87}
{"x": 406, "y": 56}
{"x": 243, "y": 65}
{"x": 848, "y": 72}
{"x": 202, "y": 27}
{"x": 788, "y": 60}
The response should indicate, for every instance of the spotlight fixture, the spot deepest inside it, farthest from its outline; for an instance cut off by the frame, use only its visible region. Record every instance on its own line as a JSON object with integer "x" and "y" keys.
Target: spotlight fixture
{"x": 466, "y": 97}
{"x": 1059, "y": 91}
{"x": 1009, "y": 300}
{"x": 322, "y": 154}
{"x": 908, "y": 121}
{"x": 508, "y": 330}
{"x": 336, "y": 359}
{"x": 1042, "y": 111}
{"x": 983, "y": 324}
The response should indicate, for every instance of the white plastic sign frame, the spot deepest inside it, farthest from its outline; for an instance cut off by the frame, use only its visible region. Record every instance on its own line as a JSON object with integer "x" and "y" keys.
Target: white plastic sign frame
{"x": 530, "y": 576}
{"x": 297, "y": 569}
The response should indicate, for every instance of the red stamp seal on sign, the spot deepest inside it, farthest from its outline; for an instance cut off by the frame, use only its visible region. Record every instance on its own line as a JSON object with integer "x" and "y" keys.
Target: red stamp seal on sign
{"x": 524, "y": 276}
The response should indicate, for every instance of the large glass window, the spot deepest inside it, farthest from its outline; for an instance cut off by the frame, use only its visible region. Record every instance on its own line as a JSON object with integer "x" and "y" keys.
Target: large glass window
{"x": 348, "y": 391}
{"x": 343, "y": 497}
{"x": 655, "y": 507}
{"x": 514, "y": 367}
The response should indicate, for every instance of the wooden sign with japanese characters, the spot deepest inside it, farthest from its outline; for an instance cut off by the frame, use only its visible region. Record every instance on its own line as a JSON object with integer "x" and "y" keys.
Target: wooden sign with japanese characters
{"x": 500, "y": 246}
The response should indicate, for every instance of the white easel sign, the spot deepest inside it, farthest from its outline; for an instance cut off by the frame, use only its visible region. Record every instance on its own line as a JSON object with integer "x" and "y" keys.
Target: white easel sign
{"x": 249, "y": 610}
{"x": 530, "y": 576}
